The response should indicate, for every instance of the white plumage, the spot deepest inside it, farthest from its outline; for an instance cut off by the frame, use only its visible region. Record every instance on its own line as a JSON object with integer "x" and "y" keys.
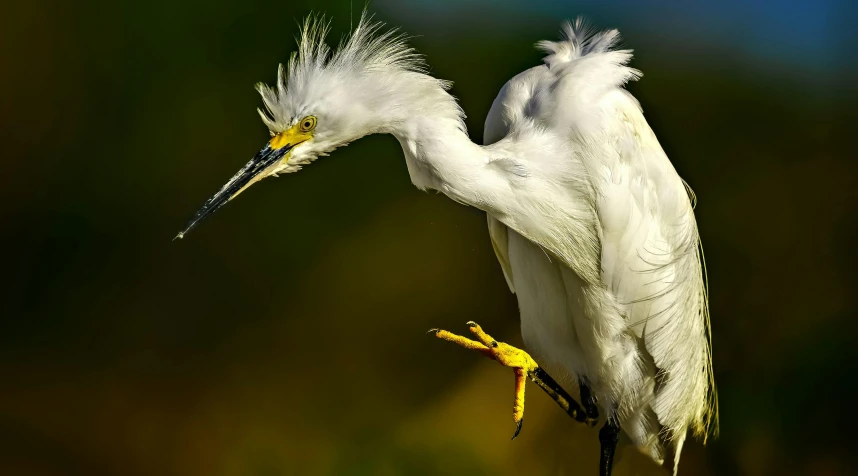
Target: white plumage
{"x": 631, "y": 316}
{"x": 593, "y": 227}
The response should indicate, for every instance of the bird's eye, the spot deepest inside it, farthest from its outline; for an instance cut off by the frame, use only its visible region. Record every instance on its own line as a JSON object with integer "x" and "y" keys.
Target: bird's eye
{"x": 308, "y": 123}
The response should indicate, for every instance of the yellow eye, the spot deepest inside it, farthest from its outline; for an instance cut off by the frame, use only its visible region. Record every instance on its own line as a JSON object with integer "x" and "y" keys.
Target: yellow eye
{"x": 308, "y": 124}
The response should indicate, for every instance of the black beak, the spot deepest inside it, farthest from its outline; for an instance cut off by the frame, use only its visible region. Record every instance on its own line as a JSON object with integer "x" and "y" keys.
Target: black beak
{"x": 247, "y": 175}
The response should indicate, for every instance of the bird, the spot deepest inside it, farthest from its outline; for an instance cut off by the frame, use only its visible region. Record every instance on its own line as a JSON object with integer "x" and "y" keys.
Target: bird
{"x": 593, "y": 227}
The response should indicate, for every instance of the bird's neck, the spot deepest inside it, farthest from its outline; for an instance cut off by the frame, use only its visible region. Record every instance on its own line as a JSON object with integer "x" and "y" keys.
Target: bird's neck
{"x": 440, "y": 156}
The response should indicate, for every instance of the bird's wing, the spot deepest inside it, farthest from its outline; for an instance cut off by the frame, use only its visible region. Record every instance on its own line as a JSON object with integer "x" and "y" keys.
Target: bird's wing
{"x": 495, "y": 130}
{"x": 646, "y": 233}
{"x": 499, "y": 234}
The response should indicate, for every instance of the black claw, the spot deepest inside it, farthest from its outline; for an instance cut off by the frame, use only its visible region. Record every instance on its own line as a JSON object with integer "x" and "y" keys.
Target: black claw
{"x": 494, "y": 343}
{"x": 517, "y": 428}
{"x": 433, "y": 331}
{"x": 471, "y": 324}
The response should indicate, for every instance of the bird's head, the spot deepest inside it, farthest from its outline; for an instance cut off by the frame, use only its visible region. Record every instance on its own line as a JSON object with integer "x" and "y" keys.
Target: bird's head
{"x": 323, "y": 100}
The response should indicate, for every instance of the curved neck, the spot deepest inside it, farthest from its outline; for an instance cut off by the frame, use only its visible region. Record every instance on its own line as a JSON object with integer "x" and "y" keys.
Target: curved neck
{"x": 440, "y": 156}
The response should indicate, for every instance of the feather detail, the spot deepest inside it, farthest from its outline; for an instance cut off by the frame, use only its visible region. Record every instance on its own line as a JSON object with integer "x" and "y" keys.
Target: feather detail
{"x": 372, "y": 66}
{"x": 641, "y": 323}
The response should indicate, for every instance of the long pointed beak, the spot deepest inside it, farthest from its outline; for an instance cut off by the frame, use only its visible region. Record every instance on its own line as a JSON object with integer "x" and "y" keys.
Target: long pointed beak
{"x": 252, "y": 172}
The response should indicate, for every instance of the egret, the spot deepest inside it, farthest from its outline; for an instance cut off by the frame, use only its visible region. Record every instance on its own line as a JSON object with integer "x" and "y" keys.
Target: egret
{"x": 593, "y": 227}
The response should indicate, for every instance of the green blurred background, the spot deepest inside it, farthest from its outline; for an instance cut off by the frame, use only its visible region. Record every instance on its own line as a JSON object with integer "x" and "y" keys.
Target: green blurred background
{"x": 286, "y": 334}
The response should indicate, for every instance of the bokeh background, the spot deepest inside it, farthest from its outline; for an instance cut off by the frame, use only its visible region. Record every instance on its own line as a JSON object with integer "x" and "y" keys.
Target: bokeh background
{"x": 286, "y": 335}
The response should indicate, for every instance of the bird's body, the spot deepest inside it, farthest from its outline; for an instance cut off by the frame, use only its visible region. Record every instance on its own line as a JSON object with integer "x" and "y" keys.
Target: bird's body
{"x": 630, "y": 317}
{"x": 595, "y": 233}
{"x": 593, "y": 227}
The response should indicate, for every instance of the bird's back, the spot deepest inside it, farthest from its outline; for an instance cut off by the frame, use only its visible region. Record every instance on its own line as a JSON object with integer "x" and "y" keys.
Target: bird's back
{"x": 638, "y": 329}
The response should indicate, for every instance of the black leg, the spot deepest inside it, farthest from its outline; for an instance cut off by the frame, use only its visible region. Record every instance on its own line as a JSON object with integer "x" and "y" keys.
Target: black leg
{"x": 609, "y": 435}
{"x": 558, "y": 394}
{"x": 588, "y": 401}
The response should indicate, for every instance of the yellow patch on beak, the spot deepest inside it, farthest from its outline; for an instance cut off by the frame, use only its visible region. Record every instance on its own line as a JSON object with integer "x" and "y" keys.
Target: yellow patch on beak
{"x": 290, "y": 137}
{"x": 277, "y": 151}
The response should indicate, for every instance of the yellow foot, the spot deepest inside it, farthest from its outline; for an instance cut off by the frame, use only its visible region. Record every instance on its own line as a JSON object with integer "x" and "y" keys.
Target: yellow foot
{"x": 507, "y": 355}
{"x": 523, "y": 366}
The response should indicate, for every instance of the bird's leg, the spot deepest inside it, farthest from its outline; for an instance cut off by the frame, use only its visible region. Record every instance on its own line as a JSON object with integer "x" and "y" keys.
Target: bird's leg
{"x": 506, "y": 355}
{"x": 609, "y": 435}
{"x": 588, "y": 401}
{"x": 523, "y": 365}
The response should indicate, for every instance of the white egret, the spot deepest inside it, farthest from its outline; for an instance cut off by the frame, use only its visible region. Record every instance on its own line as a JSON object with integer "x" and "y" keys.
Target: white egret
{"x": 593, "y": 227}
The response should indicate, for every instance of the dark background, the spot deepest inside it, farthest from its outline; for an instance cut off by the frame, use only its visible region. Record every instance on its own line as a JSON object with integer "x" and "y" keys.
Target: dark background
{"x": 286, "y": 334}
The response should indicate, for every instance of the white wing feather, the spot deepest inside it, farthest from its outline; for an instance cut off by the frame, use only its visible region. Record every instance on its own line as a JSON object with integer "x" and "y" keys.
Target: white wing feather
{"x": 641, "y": 329}
{"x": 499, "y": 234}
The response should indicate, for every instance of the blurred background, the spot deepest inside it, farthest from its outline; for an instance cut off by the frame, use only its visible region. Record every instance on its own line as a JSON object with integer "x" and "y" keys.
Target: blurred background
{"x": 286, "y": 335}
